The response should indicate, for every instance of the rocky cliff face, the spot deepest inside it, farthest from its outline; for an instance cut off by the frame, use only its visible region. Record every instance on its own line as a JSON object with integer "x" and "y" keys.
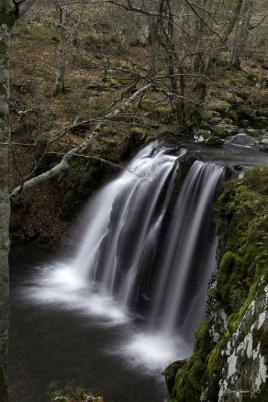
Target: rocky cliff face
{"x": 229, "y": 361}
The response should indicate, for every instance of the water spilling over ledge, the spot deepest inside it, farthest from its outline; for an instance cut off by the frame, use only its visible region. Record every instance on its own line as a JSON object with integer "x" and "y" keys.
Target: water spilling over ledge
{"x": 145, "y": 256}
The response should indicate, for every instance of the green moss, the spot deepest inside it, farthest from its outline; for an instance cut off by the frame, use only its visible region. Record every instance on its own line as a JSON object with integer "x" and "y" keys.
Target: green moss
{"x": 189, "y": 378}
{"x": 223, "y": 129}
{"x": 147, "y": 105}
{"x": 164, "y": 114}
{"x": 55, "y": 38}
{"x": 37, "y": 72}
{"x": 126, "y": 82}
{"x": 242, "y": 207}
{"x": 138, "y": 131}
{"x": 215, "y": 359}
{"x": 37, "y": 33}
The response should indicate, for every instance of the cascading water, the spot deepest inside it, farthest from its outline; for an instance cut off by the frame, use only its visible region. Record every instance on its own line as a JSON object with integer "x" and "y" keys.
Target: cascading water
{"x": 140, "y": 253}
{"x": 188, "y": 253}
{"x": 125, "y": 220}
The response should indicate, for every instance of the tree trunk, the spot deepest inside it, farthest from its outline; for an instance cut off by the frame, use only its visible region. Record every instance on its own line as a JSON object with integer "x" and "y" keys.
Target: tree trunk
{"x": 60, "y": 80}
{"x": 153, "y": 28}
{"x": 242, "y": 33}
{"x": 6, "y": 22}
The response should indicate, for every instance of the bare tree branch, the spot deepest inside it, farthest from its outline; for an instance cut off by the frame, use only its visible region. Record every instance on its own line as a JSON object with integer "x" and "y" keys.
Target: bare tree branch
{"x": 64, "y": 163}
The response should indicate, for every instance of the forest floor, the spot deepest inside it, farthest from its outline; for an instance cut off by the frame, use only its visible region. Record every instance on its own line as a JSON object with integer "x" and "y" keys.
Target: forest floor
{"x": 99, "y": 71}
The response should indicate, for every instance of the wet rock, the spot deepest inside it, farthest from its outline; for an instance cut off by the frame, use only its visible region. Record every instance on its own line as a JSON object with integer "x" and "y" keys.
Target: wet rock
{"x": 242, "y": 139}
{"x": 246, "y": 366}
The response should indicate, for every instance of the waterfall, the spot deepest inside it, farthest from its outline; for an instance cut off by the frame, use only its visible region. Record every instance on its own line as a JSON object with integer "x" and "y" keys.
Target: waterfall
{"x": 190, "y": 245}
{"x": 118, "y": 249}
{"x": 147, "y": 250}
{"x": 125, "y": 221}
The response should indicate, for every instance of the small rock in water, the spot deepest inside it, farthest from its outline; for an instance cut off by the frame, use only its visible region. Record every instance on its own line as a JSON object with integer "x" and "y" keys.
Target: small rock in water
{"x": 242, "y": 139}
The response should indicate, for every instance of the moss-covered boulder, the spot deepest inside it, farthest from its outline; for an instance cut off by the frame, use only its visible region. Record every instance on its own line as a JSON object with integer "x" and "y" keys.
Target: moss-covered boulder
{"x": 223, "y": 129}
{"x": 229, "y": 361}
{"x": 211, "y": 116}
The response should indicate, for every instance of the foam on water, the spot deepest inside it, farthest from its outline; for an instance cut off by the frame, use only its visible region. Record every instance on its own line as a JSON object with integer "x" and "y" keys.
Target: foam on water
{"x": 153, "y": 351}
{"x": 61, "y": 286}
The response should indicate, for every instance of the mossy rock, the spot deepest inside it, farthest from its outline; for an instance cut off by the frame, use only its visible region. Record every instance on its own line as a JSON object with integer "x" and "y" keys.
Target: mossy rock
{"x": 170, "y": 373}
{"x": 164, "y": 114}
{"x": 220, "y": 106}
{"x": 224, "y": 130}
{"x": 140, "y": 131}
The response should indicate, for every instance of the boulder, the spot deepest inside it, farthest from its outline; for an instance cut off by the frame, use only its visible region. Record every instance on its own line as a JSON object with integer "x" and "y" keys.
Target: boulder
{"x": 242, "y": 139}
{"x": 223, "y": 130}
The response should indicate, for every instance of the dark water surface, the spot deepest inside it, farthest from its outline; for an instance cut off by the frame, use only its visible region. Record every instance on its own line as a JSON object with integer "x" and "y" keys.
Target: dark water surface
{"x": 50, "y": 344}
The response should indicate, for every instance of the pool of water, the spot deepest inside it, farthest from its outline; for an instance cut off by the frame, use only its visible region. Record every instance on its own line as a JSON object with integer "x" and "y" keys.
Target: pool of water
{"x": 51, "y": 341}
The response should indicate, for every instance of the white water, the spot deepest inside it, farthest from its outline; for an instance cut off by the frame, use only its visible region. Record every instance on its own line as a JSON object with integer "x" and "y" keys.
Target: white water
{"x": 133, "y": 261}
{"x": 190, "y": 215}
